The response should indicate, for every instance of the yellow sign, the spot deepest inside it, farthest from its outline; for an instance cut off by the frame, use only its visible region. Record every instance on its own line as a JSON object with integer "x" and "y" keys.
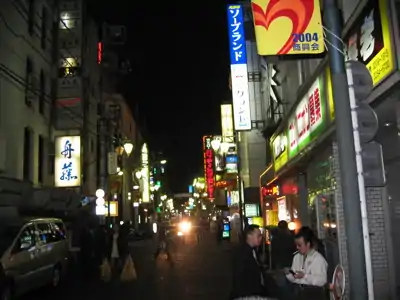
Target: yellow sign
{"x": 113, "y": 211}
{"x": 378, "y": 57}
{"x": 227, "y": 122}
{"x": 330, "y": 95}
{"x": 382, "y": 63}
{"x": 280, "y": 151}
{"x": 288, "y": 27}
{"x": 258, "y": 221}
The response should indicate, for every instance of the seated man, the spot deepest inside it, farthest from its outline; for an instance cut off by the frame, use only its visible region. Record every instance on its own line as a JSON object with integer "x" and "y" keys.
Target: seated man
{"x": 308, "y": 274}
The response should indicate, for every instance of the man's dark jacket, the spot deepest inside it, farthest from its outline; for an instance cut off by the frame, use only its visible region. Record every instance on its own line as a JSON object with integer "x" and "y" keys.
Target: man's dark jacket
{"x": 246, "y": 274}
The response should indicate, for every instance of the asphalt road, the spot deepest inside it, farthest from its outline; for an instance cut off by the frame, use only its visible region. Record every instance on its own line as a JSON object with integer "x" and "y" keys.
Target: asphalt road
{"x": 199, "y": 271}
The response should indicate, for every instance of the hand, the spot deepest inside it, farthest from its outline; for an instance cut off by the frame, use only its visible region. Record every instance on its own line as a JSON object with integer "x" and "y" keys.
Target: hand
{"x": 299, "y": 275}
{"x": 286, "y": 271}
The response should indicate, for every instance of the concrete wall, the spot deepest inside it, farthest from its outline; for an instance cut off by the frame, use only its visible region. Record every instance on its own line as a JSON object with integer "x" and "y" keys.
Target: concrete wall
{"x": 16, "y": 45}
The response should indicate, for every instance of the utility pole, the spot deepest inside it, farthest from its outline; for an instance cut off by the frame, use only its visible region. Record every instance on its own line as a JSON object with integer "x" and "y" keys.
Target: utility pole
{"x": 347, "y": 155}
{"x": 239, "y": 182}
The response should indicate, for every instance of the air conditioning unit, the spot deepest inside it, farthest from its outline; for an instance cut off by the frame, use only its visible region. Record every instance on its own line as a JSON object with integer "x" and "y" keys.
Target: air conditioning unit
{"x": 3, "y": 153}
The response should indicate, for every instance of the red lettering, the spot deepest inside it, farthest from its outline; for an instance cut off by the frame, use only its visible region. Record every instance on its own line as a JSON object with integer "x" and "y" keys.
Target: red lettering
{"x": 292, "y": 135}
{"x": 311, "y": 109}
{"x": 317, "y": 104}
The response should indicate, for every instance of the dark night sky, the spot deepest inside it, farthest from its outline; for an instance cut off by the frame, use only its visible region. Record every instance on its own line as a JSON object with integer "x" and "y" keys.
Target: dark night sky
{"x": 179, "y": 53}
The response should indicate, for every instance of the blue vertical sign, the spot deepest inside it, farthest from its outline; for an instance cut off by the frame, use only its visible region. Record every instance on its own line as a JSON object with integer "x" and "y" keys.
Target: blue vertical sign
{"x": 239, "y": 76}
{"x": 191, "y": 189}
{"x": 237, "y": 41}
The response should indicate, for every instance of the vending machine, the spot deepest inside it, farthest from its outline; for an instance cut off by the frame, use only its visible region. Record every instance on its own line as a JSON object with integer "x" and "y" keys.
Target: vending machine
{"x": 226, "y": 231}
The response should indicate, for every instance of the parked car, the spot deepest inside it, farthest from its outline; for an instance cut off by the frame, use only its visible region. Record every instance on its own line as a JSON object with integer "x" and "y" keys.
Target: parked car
{"x": 33, "y": 253}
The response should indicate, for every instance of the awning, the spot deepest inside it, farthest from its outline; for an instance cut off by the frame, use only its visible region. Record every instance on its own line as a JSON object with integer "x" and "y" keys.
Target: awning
{"x": 267, "y": 176}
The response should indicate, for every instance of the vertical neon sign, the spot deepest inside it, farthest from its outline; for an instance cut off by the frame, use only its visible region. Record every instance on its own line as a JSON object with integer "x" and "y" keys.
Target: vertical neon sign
{"x": 209, "y": 166}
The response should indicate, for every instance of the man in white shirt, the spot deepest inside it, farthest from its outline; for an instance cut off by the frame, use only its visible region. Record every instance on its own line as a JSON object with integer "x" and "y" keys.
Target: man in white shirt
{"x": 308, "y": 273}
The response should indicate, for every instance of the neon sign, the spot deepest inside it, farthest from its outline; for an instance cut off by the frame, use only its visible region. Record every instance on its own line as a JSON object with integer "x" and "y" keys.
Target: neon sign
{"x": 209, "y": 166}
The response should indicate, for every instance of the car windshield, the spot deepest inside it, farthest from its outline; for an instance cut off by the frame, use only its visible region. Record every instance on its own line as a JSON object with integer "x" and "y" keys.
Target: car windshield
{"x": 7, "y": 236}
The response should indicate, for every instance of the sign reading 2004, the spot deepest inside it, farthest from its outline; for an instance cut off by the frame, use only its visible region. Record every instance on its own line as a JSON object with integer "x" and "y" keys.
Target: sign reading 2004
{"x": 285, "y": 27}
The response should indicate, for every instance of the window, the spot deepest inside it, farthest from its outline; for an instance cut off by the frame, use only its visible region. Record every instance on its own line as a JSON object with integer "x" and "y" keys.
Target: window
{"x": 45, "y": 233}
{"x": 27, "y": 168}
{"x": 50, "y": 158}
{"x": 28, "y": 81}
{"x": 42, "y": 92}
{"x": 67, "y": 21}
{"x": 51, "y": 232}
{"x": 69, "y": 67}
{"x": 26, "y": 240}
{"x": 41, "y": 156}
{"x": 31, "y": 17}
{"x": 43, "y": 36}
{"x": 59, "y": 231}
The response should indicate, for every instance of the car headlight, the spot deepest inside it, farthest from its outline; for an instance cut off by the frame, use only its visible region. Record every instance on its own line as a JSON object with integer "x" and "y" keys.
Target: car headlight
{"x": 185, "y": 226}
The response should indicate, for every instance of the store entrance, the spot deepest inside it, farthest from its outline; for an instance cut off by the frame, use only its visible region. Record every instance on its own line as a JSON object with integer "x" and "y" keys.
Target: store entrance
{"x": 322, "y": 213}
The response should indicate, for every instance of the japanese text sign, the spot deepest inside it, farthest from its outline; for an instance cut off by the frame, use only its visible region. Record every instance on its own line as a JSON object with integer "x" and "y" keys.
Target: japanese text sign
{"x": 280, "y": 151}
{"x": 227, "y": 122}
{"x": 67, "y": 171}
{"x": 209, "y": 166}
{"x": 307, "y": 118}
{"x": 288, "y": 27}
{"x": 237, "y": 41}
{"x": 370, "y": 40}
{"x": 241, "y": 98}
{"x": 239, "y": 75}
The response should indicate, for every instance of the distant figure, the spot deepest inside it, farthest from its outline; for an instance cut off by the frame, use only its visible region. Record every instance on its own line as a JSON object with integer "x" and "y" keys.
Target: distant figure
{"x": 162, "y": 242}
{"x": 220, "y": 229}
{"x": 282, "y": 246}
{"x": 115, "y": 252}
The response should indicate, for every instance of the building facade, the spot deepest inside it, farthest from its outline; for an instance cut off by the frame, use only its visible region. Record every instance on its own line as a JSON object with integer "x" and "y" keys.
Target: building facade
{"x": 127, "y": 145}
{"x": 78, "y": 92}
{"x": 27, "y": 62}
{"x": 302, "y": 184}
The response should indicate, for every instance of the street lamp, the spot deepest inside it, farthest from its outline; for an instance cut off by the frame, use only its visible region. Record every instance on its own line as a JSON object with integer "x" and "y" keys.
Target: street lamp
{"x": 138, "y": 174}
{"x": 128, "y": 146}
{"x": 163, "y": 162}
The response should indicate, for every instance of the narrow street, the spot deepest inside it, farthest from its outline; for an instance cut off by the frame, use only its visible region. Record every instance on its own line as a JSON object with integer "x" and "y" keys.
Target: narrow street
{"x": 200, "y": 271}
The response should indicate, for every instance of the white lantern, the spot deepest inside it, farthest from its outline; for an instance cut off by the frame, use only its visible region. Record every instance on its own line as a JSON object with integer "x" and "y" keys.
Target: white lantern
{"x": 215, "y": 144}
{"x": 128, "y": 146}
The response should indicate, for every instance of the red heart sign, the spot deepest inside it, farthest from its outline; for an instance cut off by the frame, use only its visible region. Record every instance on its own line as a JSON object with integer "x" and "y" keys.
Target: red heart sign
{"x": 299, "y": 12}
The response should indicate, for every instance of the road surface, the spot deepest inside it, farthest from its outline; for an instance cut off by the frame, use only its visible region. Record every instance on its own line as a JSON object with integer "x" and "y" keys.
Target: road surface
{"x": 199, "y": 272}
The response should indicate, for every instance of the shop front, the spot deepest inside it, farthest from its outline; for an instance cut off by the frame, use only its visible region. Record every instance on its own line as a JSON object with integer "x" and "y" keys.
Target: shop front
{"x": 304, "y": 147}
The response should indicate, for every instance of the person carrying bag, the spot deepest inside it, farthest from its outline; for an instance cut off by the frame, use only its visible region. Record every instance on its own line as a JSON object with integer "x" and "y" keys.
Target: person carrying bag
{"x": 129, "y": 271}
{"x": 105, "y": 269}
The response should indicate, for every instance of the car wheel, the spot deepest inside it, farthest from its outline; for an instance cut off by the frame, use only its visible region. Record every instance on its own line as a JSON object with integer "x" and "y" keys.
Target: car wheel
{"x": 56, "y": 278}
{"x": 6, "y": 293}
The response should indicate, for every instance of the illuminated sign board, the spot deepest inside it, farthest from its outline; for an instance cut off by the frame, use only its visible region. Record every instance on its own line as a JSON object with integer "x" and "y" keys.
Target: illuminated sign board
{"x": 280, "y": 151}
{"x": 227, "y": 123}
{"x": 271, "y": 191}
{"x": 145, "y": 174}
{"x": 307, "y": 120}
{"x": 288, "y": 27}
{"x": 370, "y": 40}
{"x": 209, "y": 166}
{"x": 239, "y": 75}
{"x": 67, "y": 163}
